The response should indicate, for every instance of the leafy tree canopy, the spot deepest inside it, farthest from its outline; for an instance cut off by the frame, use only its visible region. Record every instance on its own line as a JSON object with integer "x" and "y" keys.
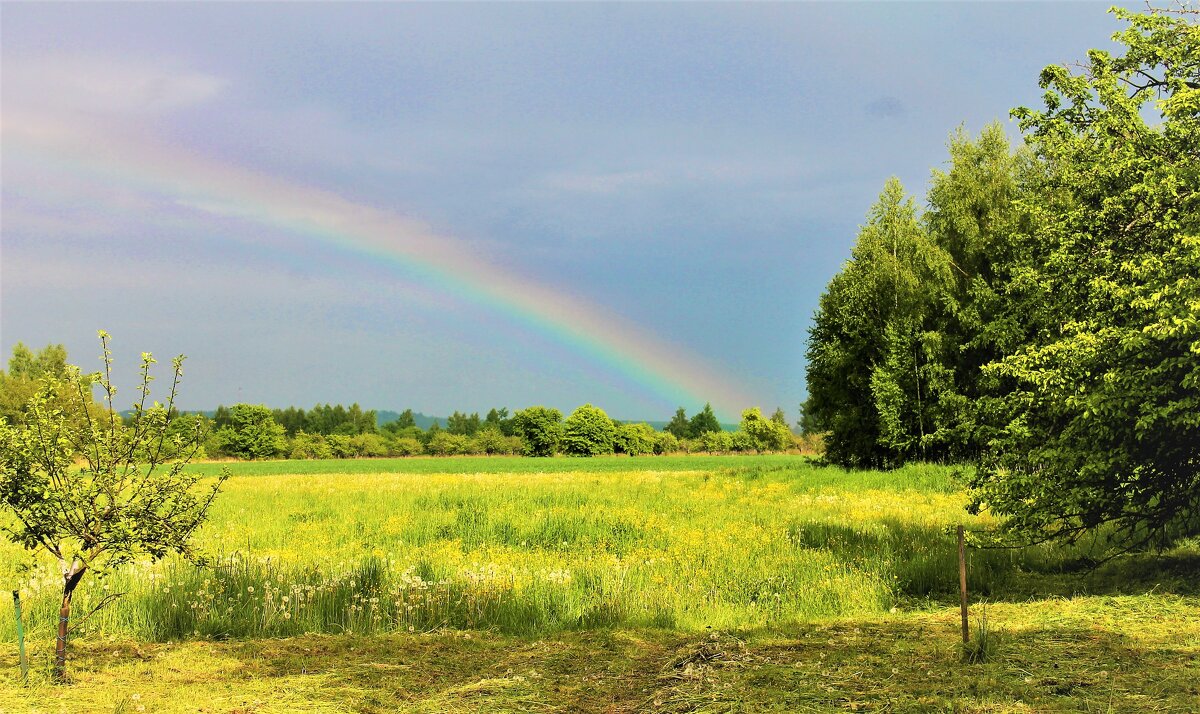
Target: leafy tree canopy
{"x": 541, "y": 428}
{"x": 679, "y": 425}
{"x": 588, "y": 432}
{"x": 251, "y": 433}
{"x": 764, "y": 434}
{"x": 1099, "y": 411}
{"x": 703, "y": 422}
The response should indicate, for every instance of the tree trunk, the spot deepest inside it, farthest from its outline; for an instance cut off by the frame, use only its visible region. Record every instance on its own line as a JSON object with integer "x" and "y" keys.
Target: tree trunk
{"x": 70, "y": 581}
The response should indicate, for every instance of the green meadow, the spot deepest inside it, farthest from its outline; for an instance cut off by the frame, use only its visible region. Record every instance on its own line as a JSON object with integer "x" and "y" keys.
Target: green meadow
{"x": 737, "y": 565}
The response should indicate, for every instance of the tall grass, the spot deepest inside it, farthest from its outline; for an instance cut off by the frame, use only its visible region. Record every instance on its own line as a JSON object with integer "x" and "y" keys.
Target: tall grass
{"x": 724, "y": 546}
{"x": 503, "y": 464}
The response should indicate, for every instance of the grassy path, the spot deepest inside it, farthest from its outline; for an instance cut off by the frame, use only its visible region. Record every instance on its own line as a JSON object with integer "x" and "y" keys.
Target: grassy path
{"x": 1088, "y": 654}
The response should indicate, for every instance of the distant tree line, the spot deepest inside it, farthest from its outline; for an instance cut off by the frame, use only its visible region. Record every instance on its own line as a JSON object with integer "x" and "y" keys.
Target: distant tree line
{"x": 249, "y": 431}
{"x": 255, "y": 431}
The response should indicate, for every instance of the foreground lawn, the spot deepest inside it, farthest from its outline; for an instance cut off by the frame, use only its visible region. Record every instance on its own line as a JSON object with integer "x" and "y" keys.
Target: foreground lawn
{"x": 1087, "y": 654}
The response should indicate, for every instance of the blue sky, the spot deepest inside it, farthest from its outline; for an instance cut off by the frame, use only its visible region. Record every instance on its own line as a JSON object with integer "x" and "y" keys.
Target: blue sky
{"x": 697, "y": 172}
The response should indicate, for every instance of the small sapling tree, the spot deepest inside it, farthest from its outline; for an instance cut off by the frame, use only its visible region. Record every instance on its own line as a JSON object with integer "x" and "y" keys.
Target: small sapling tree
{"x": 95, "y": 493}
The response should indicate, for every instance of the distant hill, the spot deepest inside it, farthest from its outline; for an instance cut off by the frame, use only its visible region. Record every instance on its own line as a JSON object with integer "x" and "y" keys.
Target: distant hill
{"x": 424, "y": 421}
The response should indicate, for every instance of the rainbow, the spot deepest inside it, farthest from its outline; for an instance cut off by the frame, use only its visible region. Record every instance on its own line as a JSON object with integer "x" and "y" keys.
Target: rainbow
{"x": 657, "y": 368}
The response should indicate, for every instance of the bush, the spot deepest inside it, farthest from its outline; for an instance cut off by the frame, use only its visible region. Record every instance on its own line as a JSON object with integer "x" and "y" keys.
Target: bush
{"x": 588, "y": 432}
{"x": 340, "y": 446}
{"x": 762, "y": 434}
{"x": 404, "y": 446}
{"x": 485, "y": 442}
{"x": 369, "y": 445}
{"x": 665, "y": 443}
{"x": 740, "y": 441}
{"x": 309, "y": 446}
{"x": 540, "y": 429}
{"x": 252, "y": 433}
{"x": 443, "y": 443}
{"x": 716, "y": 442}
{"x": 635, "y": 439}
{"x": 490, "y": 441}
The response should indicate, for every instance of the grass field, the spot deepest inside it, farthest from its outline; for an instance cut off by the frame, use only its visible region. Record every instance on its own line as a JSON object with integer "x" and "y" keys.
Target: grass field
{"x": 502, "y": 465}
{"x": 678, "y": 583}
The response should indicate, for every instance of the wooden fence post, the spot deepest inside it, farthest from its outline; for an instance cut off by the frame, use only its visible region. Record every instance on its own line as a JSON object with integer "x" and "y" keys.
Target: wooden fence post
{"x": 962, "y": 584}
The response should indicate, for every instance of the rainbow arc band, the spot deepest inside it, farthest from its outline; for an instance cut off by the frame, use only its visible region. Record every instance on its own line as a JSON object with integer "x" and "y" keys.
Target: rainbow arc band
{"x": 672, "y": 375}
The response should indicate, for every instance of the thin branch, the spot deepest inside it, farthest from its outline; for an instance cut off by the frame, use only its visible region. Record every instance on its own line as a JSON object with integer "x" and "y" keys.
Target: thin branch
{"x": 79, "y": 622}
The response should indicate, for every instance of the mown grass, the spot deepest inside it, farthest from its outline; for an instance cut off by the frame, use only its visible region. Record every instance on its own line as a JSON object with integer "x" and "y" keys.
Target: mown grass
{"x": 1124, "y": 654}
{"x": 564, "y": 551}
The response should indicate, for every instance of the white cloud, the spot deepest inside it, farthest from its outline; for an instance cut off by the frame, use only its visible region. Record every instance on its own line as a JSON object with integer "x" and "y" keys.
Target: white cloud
{"x": 104, "y": 86}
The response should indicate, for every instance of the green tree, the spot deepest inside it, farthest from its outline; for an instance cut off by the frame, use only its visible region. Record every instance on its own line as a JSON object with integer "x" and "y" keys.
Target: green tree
{"x": 26, "y": 371}
{"x": 462, "y": 424}
{"x": 762, "y": 434}
{"x": 126, "y": 500}
{"x": 404, "y": 425}
{"x": 666, "y": 443}
{"x": 869, "y": 362}
{"x": 739, "y": 441}
{"x": 368, "y": 445}
{"x": 976, "y": 208}
{"x": 588, "y": 432}
{"x": 491, "y": 441}
{"x": 716, "y": 442}
{"x": 807, "y": 424}
{"x": 309, "y": 446}
{"x": 252, "y": 433}
{"x": 903, "y": 330}
{"x": 182, "y": 430}
{"x": 679, "y": 425}
{"x": 50, "y": 361}
{"x": 1099, "y": 404}
{"x": 703, "y": 422}
{"x": 406, "y": 420}
{"x": 404, "y": 446}
{"x": 222, "y": 418}
{"x": 434, "y": 429}
{"x": 336, "y": 420}
{"x": 443, "y": 443}
{"x": 361, "y": 421}
{"x": 292, "y": 420}
{"x": 340, "y": 446}
{"x": 499, "y": 419}
{"x": 540, "y": 428}
{"x": 635, "y": 439}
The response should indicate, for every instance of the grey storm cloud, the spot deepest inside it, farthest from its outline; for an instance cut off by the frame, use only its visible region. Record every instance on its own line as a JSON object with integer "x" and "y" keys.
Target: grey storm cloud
{"x": 651, "y": 160}
{"x": 886, "y": 107}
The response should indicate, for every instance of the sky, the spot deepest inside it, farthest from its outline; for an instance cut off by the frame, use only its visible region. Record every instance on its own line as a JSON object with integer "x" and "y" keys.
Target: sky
{"x": 464, "y": 206}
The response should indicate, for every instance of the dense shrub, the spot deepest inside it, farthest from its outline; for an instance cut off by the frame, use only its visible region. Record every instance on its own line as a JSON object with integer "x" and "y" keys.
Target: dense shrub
{"x": 635, "y": 439}
{"x": 588, "y": 432}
